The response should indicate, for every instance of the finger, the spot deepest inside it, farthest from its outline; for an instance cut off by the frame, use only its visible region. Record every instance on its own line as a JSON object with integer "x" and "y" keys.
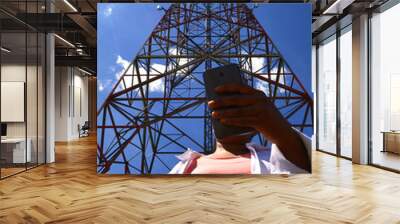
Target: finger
{"x": 240, "y": 122}
{"x": 236, "y": 112}
{"x": 236, "y": 100}
{"x": 235, "y": 88}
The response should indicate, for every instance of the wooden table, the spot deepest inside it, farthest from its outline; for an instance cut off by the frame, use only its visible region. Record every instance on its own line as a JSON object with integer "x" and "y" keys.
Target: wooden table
{"x": 391, "y": 141}
{"x": 13, "y": 150}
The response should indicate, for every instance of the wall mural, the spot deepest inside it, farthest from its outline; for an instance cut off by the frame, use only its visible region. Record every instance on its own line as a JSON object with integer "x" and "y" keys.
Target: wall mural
{"x": 154, "y": 115}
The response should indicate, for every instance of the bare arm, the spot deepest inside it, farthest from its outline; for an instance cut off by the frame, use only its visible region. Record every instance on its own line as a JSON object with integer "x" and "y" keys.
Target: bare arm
{"x": 252, "y": 108}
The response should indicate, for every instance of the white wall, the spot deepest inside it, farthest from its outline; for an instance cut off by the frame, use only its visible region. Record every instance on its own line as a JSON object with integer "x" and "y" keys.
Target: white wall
{"x": 71, "y": 94}
{"x": 80, "y": 110}
{"x": 12, "y": 73}
{"x": 61, "y": 103}
{"x": 17, "y": 73}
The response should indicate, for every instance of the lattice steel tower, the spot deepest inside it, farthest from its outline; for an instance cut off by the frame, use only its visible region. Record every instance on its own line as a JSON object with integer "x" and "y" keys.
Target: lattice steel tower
{"x": 157, "y": 108}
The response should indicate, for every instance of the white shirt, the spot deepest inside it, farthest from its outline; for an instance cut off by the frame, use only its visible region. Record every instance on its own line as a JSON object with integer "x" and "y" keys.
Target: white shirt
{"x": 264, "y": 160}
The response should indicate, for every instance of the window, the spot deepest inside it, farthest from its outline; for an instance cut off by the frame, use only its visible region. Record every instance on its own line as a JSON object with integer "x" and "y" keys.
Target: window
{"x": 385, "y": 89}
{"x": 335, "y": 74}
{"x": 345, "y": 92}
{"x": 327, "y": 95}
{"x": 22, "y": 76}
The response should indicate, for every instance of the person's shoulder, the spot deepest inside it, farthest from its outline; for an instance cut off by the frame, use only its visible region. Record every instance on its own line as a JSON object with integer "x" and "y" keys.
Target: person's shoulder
{"x": 189, "y": 154}
{"x": 184, "y": 160}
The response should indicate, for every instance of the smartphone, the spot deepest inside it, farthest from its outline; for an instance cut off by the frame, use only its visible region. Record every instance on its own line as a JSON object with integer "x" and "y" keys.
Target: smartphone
{"x": 217, "y": 77}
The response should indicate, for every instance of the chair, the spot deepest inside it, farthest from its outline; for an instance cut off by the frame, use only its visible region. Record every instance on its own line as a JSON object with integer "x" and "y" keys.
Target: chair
{"x": 84, "y": 130}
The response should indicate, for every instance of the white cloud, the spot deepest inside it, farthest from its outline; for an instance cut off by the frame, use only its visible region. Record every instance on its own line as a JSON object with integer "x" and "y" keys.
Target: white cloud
{"x": 131, "y": 77}
{"x": 102, "y": 85}
{"x": 157, "y": 85}
{"x": 179, "y": 61}
{"x": 122, "y": 62}
{"x": 108, "y": 11}
{"x": 155, "y": 69}
{"x": 258, "y": 64}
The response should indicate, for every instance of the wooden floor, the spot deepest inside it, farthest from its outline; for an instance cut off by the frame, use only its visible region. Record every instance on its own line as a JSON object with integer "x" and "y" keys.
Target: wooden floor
{"x": 5, "y": 172}
{"x": 70, "y": 191}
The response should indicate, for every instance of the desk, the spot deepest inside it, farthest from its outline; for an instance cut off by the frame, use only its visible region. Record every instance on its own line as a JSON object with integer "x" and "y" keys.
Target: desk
{"x": 13, "y": 150}
{"x": 391, "y": 141}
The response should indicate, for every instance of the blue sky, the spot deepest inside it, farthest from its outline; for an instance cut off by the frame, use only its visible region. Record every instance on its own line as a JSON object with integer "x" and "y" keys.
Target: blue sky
{"x": 289, "y": 26}
{"x": 123, "y": 28}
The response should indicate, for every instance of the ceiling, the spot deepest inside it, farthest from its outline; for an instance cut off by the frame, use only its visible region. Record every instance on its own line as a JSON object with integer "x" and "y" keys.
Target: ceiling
{"x": 75, "y": 21}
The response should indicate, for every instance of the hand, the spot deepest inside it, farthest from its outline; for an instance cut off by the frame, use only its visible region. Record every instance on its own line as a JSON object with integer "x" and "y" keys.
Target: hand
{"x": 248, "y": 107}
